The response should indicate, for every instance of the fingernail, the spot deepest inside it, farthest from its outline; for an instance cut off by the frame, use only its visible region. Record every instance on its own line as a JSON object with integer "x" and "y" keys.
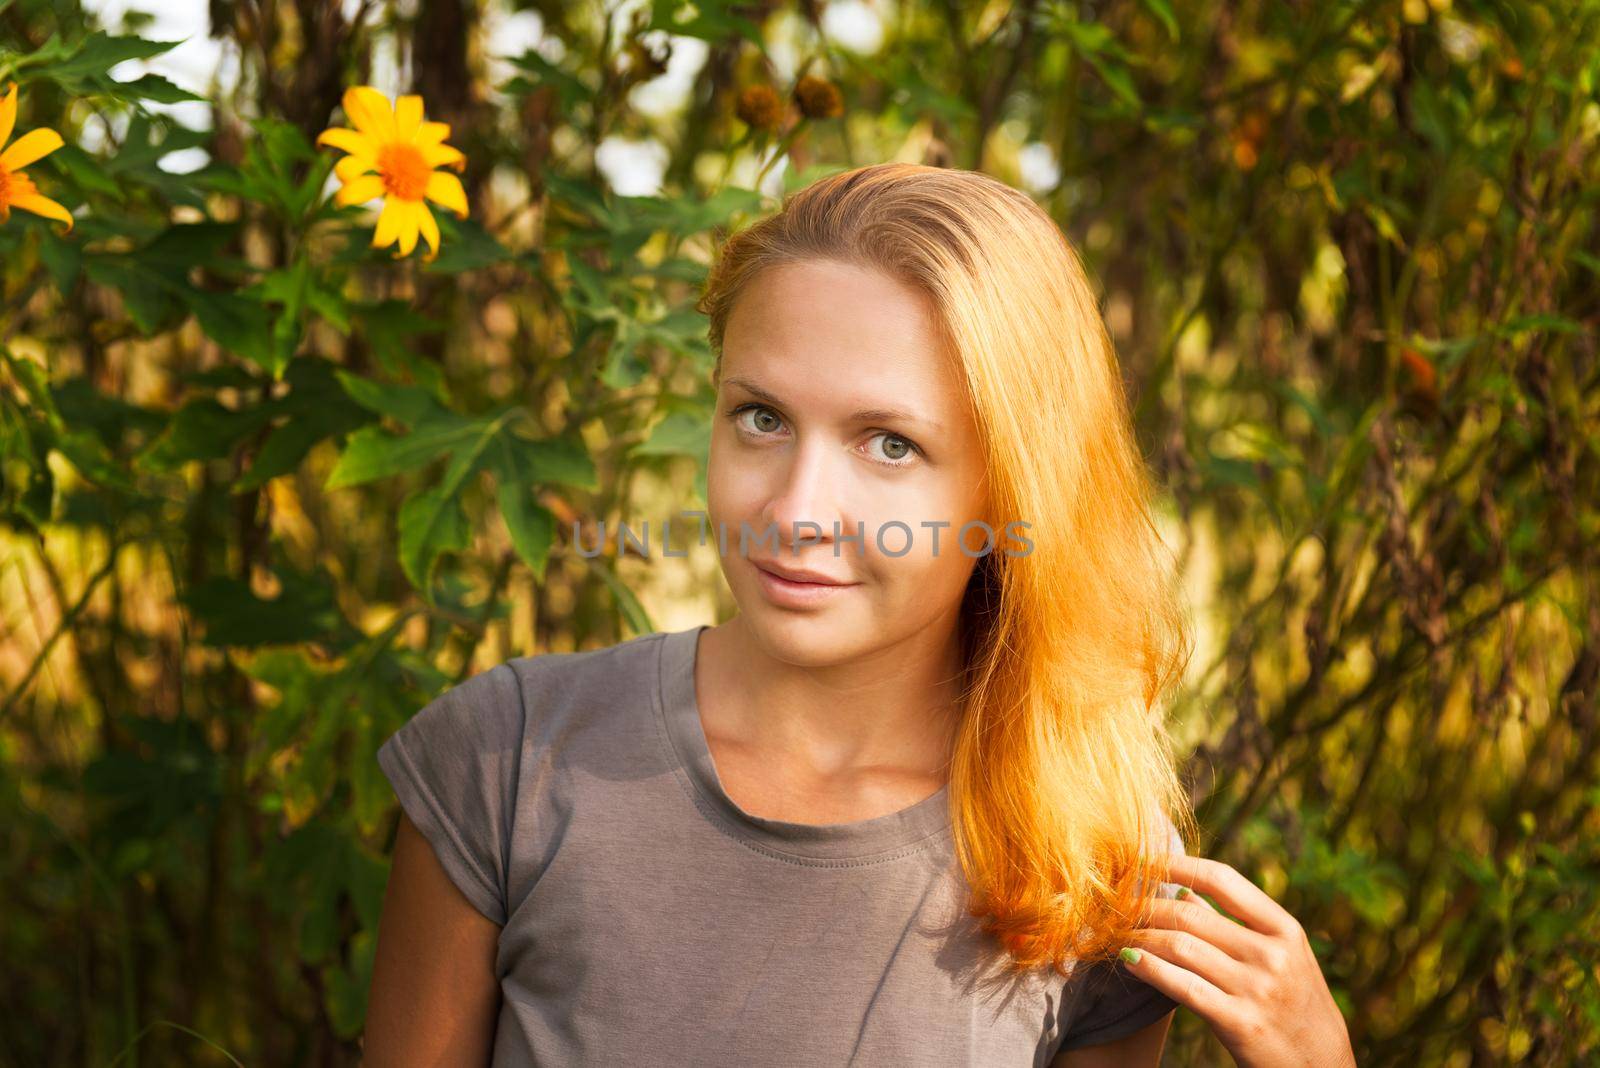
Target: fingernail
{"x": 1183, "y": 892}
{"x": 1129, "y": 954}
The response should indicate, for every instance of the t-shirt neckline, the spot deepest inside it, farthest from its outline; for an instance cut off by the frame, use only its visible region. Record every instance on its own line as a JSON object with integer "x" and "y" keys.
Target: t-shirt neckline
{"x": 879, "y": 838}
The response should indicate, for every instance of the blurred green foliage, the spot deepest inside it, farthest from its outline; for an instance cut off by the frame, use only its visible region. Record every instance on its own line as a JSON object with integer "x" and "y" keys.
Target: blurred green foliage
{"x": 1349, "y": 254}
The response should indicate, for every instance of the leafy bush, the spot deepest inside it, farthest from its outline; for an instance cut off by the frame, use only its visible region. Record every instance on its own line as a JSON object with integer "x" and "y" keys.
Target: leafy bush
{"x": 267, "y": 489}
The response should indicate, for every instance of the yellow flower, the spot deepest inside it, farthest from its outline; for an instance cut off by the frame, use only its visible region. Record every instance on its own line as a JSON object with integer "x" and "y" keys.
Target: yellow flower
{"x": 393, "y": 153}
{"x": 17, "y": 189}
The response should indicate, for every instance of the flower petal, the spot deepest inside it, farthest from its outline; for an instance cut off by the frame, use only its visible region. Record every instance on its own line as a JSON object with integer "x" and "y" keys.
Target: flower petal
{"x": 33, "y": 145}
{"x": 8, "y": 114}
{"x": 41, "y": 205}
{"x": 357, "y": 144}
{"x": 352, "y": 167}
{"x": 442, "y": 156}
{"x": 370, "y": 111}
{"x": 359, "y": 191}
{"x": 430, "y": 229}
{"x": 409, "y": 224}
{"x": 431, "y": 133}
{"x": 388, "y": 229}
{"x": 407, "y": 117}
{"x": 446, "y": 189}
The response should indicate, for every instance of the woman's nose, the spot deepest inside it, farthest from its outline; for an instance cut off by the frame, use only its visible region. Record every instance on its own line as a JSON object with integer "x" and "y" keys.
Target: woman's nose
{"x": 803, "y": 503}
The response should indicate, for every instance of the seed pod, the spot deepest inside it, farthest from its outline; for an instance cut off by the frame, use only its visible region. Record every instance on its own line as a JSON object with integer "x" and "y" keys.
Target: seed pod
{"x": 818, "y": 98}
{"x": 759, "y": 106}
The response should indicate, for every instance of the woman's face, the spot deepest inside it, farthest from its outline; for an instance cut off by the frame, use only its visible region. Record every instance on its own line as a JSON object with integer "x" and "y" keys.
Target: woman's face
{"x": 838, "y": 413}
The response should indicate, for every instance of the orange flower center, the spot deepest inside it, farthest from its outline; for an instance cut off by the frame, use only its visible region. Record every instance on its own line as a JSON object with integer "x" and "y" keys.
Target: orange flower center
{"x": 14, "y": 185}
{"x": 405, "y": 173}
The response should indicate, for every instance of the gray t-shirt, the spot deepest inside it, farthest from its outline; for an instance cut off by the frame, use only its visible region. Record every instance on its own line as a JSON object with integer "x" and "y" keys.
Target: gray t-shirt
{"x": 647, "y": 919}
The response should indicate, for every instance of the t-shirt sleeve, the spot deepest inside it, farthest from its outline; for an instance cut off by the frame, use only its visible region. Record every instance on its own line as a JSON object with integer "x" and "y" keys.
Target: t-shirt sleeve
{"x": 1116, "y": 1003}
{"x": 454, "y": 768}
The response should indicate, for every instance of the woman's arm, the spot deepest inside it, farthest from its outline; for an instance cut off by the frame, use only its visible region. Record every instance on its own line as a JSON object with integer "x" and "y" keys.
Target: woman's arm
{"x": 435, "y": 997}
{"x": 1142, "y": 1049}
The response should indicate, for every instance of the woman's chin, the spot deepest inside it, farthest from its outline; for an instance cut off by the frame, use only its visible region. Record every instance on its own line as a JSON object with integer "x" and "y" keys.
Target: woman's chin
{"x": 812, "y": 639}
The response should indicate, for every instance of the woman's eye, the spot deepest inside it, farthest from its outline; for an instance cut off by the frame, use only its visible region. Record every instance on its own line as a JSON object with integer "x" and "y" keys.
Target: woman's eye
{"x": 766, "y": 420}
{"x": 896, "y": 450}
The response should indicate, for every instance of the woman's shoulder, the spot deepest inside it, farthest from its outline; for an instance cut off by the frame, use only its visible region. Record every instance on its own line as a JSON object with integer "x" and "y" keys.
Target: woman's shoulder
{"x": 500, "y": 704}
{"x": 629, "y": 662}
{"x": 457, "y": 765}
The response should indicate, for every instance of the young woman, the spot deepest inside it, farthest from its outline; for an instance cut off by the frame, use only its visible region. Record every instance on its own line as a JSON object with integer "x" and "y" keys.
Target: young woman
{"x": 906, "y": 806}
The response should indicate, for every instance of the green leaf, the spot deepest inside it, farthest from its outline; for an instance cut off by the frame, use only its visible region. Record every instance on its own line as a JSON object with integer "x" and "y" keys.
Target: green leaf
{"x": 83, "y": 170}
{"x": 151, "y": 304}
{"x": 97, "y": 54}
{"x": 709, "y": 20}
{"x": 915, "y": 97}
{"x": 431, "y": 523}
{"x": 531, "y": 525}
{"x": 75, "y": 427}
{"x": 632, "y": 611}
{"x": 203, "y": 429}
{"x": 287, "y": 287}
{"x": 148, "y": 140}
{"x": 366, "y": 878}
{"x": 273, "y": 158}
{"x": 463, "y": 245}
{"x": 372, "y": 453}
{"x": 346, "y": 988}
{"x": 180, "y": 248}
{"x": 240, "y": 325}
{"x": 625, "y": 363}
{"x": 63, "y": 259}
{"x": 570, "y": 90}
{"x": 320, "y": 877}
{"x": 1384, "y": 222}
{"x": 1099, "y": 47}
{"x": 681, "y": 433}
{"x": 1162, "y": 10}
{"x": 408, "y": 404}
{"x": 154, "y": 87}
{"x": 1542, "y": 321}
{"x": 391, "y": 328}
{"x": 315, "y": 409}
{"x": 561, "y": 461}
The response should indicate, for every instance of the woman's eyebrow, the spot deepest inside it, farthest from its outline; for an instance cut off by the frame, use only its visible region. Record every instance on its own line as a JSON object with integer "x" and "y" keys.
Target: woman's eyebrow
{"x": 864, "y": 415}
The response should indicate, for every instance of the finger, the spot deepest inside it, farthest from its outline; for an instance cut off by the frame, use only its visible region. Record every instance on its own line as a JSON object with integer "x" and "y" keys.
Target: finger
{"x": 1243, "y": 946}
{"x": 1192, "y": 952}
{"x": 1243, "y": 899}
{"x": 1183, "y": 986}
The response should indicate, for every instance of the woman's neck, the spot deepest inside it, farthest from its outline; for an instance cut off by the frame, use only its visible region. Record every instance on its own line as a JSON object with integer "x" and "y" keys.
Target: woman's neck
{"x": 889, "y": 711}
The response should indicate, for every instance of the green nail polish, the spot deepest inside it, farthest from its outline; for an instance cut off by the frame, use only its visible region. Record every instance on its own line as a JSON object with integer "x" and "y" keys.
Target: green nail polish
{"x": 1130, "y": 954}
{"x": 1183, "y": 892}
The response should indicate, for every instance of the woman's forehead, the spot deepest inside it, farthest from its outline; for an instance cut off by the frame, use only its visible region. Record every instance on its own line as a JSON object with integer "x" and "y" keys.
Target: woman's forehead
{"x": 836, "y": 332}
{"x": 822, "y": 303}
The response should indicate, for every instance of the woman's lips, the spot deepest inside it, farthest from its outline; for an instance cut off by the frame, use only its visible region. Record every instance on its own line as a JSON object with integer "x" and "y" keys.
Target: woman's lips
{"x": 791, "y": 594}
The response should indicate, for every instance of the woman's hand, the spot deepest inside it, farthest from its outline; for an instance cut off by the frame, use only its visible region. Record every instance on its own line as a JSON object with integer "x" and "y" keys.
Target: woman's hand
{"x": 1256, "y": 982}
